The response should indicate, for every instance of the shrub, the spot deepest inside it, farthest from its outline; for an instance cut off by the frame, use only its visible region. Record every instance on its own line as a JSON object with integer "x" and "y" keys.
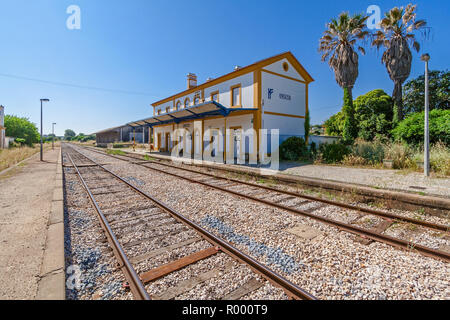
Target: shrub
{"x": 411, "y": 129}
{"x": 401, "y": 154}
{"x": 439, "y": 158}
{"x": 352, "y": 160}
{"x": 371, "y": 152}
{"x": 334, "y": 152}
{"x": 293, "y": 149}
{"x": 21, "y": 141}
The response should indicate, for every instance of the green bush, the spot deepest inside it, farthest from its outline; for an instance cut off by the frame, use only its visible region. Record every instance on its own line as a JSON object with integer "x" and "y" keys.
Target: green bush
{"x": 373, "y": 114}
{"x": 411, "y": 129}
{"x": 334, "y": 152}
{"x": 21, "y": 141}
{"x": 293, "y": 149}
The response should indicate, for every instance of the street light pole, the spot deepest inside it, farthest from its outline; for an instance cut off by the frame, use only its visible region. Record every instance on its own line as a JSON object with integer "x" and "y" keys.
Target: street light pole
{"x": 426, "y": 162}
{"x": 42, "y": 153}
{"x": 53, "y": 135}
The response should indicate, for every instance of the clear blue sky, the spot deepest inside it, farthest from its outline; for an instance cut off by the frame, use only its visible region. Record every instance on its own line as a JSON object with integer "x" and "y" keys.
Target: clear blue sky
{"x": 148, "y": 47}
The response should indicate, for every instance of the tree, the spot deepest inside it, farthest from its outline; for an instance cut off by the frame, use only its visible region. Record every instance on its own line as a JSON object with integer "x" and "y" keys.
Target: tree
{"x": 337, "y": 45}
{"x": 69, "y": 134}
{"x": 334, "y": 126}
{"x": 349, "y": 130}
{"x": 21, "y": 128}
{"x": 397, "y": 33}
{"x": 373, "y": 114}
{"x": 307, "y": 125}
{"x": 411, "y": 130}
{"x": 439, "y": 92}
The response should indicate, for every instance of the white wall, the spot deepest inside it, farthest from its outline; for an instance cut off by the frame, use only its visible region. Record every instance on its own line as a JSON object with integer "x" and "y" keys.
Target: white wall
{"x": 247, "y": 92}
{"x": 246, "y": 82}
{"x": 277, "y": 67}
{"x": 288, "y": 126}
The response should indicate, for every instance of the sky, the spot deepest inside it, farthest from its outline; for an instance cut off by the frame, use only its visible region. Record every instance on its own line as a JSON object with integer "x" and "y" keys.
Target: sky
{"x": 129, "y": 54}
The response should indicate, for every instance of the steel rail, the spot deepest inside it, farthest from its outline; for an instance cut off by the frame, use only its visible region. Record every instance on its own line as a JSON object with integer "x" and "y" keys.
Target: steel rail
{"x": 384, "y": 214}
{"x": 349, "y": 228}
{"x": 290, "y": 288}
{"x": 136, "y": 286}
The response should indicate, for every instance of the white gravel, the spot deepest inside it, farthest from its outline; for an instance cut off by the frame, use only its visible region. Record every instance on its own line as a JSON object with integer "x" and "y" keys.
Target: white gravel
{"x": 332, "y": 266}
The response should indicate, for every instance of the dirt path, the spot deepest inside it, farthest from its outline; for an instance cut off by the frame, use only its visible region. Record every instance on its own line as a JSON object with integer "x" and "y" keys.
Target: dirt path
{"x": 25, "y": 201}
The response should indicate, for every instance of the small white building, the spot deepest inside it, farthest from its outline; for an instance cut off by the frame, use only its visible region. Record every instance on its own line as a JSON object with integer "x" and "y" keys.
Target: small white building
{"x": 269, "y": 94}
{"x": 3, "y": 144}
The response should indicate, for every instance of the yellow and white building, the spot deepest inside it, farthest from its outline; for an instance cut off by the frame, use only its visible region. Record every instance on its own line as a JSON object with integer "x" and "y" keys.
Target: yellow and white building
{"x": 269, "y": 94}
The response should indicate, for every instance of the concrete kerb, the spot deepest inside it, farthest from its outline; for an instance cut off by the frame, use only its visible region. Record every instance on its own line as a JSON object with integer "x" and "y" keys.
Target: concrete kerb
{"x": 52, "y": 278}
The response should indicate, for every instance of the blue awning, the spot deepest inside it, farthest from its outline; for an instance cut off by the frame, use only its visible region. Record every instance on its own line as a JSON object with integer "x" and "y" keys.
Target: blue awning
{"x": 199, "y": 111}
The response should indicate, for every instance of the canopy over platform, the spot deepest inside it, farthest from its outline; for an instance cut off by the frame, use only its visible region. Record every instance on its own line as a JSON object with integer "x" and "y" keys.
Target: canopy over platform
{"x": 199, "y": 111}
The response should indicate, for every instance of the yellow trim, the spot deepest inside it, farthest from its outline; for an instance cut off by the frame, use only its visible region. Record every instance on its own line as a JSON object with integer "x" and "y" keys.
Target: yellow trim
{"x": 307, "y": 109}
{"x": 257, "y": 116}
{"x": 203, "y": 95}
{"x": 284, "y": 115}
{"x": 225, "y": 140}
{"x": 176, "y": 105}
{"x": 283, "y": 76}
{"x": 250, "y": 68}
{"x": 213, "y": 93}
{"x": 232, "y": 105}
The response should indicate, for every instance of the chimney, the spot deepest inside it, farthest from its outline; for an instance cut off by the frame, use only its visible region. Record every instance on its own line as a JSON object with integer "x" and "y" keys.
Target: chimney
{"x": 209, "y": 79}
{"x": 191, "y": 80}
{"x": 237, "y": 68}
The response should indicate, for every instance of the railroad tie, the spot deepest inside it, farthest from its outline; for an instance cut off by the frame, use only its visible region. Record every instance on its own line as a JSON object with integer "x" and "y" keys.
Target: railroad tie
{"x": 163, "y": 270}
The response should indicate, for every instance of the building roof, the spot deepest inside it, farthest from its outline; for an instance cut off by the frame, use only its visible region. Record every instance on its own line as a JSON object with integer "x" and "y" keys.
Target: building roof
{"x": 286, "y": 55}
{"x": 110, "y": 129}
{"x": 209, "y": 108}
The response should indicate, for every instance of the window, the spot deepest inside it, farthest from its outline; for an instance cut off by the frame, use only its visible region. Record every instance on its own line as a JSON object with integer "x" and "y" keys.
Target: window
{"x": 167, "y": 109}
{"x": 236, "y": 95}
{"x": 178, "y": 106}
{"x": 215, "y": 96}
{"x": 196, "y": 101}
{"x": 285, "y": 66}
{"x": 158, "y": 112}
{"x": 186, "y": 103}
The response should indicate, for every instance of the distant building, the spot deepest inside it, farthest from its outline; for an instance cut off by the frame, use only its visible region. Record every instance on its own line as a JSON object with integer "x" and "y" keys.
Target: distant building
{"x": 2, "y": 128}
{"x": 122, "y": 134}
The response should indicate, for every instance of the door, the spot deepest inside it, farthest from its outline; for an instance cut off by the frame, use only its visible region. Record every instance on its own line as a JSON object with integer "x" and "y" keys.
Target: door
{"x": 236, "y": 144}
{"x": 159, "y": 141}
{"x": 168, "y": 142}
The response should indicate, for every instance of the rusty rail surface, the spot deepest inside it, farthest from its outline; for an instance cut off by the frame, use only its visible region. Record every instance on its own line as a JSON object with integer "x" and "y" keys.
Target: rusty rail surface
{"x": 344, "y": 226}
{"x": 136, "y": 286}
{"x": 290, "y": 288}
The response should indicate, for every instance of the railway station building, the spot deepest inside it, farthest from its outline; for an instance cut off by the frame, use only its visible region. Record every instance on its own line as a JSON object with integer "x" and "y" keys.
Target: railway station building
{"x": 227, "y": 115}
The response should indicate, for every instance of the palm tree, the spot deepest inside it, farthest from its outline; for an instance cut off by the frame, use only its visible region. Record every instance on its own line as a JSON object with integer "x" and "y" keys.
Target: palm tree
{"x": 337, "y": 45}
{"x": 396, "y": 35}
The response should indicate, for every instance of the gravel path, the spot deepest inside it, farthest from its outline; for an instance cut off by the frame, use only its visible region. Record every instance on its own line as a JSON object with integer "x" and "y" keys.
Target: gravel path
{"x": 330, "y": 266}
{"x": 380, "y": 178}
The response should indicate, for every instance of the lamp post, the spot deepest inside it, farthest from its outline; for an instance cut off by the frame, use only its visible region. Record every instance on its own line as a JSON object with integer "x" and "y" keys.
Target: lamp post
{"x": 426, "y": 161}
{"x": 53, "y": 135}
{"x": 42, "y": 155}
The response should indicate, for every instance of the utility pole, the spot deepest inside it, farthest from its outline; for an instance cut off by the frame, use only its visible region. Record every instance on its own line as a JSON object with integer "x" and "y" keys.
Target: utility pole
{"x": 53, "y": 135}
{"x": 426, "y": 158}
{"x": 42, "y": 150}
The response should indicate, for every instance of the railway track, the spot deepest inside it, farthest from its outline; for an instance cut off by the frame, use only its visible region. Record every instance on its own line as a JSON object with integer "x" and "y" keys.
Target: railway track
{"x": 136, "y": 222}
{"x": 290, "y": 201}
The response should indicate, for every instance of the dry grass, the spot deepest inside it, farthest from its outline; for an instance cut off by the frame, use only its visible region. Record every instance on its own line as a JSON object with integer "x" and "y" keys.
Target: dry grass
{"x": 9, "y": 157}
